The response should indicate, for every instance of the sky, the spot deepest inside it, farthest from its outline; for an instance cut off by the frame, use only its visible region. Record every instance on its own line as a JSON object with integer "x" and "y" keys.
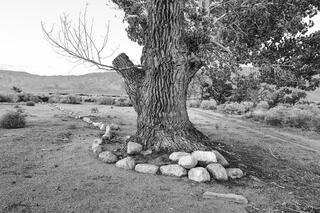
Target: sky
{"x": 23, "y": 46}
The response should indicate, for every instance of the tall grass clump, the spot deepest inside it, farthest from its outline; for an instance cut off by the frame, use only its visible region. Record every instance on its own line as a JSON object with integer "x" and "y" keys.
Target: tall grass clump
{"x": 13, "y": 120}
{"x": 106, "y": 101}
{"x": 193, "y": 103}
{"x": 70, "y": 99}
{"x": 208, "y": 105}
{"x": 276, "y": 115}
{"x": 123, "y": 102}
{"x": 30, "y": 103}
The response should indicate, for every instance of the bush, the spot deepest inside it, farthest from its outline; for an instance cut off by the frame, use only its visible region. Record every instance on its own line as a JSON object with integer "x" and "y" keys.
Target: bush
{"x": 30, "y": 103}
{"x": 106, "y": 101}
{"x": 123, "y": 102}
{"x": 94, "y": 110}
{"x": 89, "y": 99}
{"x": 208, "y": 105}
{"x": 13, "y": 120}
{"x": 70, "y": 99}
{"x": 257, "y": 115}
{"x": 35, "y": 99}
{"x": 7, "y": 98}
{"x": 54, "y": 99}
{"x": 194, "y": 103}
{"x": 235, "y": 108}
{"x": 276, "y": 115}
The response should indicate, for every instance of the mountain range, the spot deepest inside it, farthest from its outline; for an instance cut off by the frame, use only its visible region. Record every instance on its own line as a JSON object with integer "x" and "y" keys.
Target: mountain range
{"x": 109, "y": 83}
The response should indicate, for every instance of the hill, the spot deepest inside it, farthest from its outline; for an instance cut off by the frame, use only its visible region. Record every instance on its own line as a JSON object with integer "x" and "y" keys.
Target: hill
{"x": 94, "y": 83}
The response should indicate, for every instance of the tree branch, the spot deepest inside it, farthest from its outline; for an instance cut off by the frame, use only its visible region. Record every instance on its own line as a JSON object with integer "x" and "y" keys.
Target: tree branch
{"x": 77, "y": 42}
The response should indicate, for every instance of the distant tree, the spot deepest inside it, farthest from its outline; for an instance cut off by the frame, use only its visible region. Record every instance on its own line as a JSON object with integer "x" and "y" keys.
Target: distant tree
{"x": 177, "y": 36}
{"x": 16, "y": 89}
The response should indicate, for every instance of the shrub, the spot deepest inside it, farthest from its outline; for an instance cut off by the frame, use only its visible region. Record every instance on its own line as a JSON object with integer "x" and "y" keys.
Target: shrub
{"x": 94, "y": 110}
{"x": 236, "y": 108}
{"x": 13, "y": 120}
{"x": 35, "y": 99}
{"x": 30, "y": 103}
{"x": 89, "y": 99}
{"x": 276, "y": 115}
{"x": 7, "y": 98}
{"x": 106, "y": 101}
{"x": 257, "y": 115}
{"x": 20, "y": 110}
{"x": 208, "y": 105}
{"x": 194, "y": 103}
{"x": 123, "y": 102}
{"x": 70, "y": 99}
{"x": 54, "y": 99}
{"x": 263, "y": 105}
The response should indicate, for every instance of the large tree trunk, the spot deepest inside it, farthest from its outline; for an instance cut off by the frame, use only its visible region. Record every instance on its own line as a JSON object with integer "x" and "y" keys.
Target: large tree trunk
{"x": 159, "y": 92}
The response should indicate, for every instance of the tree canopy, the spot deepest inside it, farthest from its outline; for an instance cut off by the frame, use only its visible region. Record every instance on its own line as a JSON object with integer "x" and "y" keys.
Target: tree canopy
{"x": 270, "y": 34}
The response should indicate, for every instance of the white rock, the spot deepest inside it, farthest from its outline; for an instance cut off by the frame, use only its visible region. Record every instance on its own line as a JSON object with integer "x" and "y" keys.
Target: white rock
{"x": 96, "y": 124}
{"x": 175, "y": 156}
{"x": 127, "y": 163}
{"x": 146, "y": 152}
{"x": 221, "y": 159}
{"x": 102, "y": 126}
{"x": 204, "y": 156}
{"x": 147, "y": 168}
{"x": 199, "y": 174}
{"x": 108, "y": 133}
{"x": 173, "y": 170}
{"x": 230, "y": 197}
{"x": 234, "y": 173}
{"x": 98, "y": 141}
{"x": 187, "y": 162}
{"x": 87, "y": 120}
{"x": 108, "y": 157}
{"x": 96, "y": 148}
{"x": 134, "y": 148}
{"x": 217, "y": 171}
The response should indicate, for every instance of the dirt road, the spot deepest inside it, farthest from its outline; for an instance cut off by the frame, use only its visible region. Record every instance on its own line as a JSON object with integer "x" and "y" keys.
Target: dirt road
{"x": 46, "y": 167}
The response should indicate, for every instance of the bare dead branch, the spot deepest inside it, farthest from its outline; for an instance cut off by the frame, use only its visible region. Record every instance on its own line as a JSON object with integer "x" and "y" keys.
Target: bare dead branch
{"x": 77, "y": 42}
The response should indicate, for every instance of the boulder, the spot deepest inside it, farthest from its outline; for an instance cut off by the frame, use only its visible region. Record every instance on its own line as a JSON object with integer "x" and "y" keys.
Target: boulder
{"x": 217, "y": 171}
{"x": 187, "y": 162}
{"x": 221, "y": 159}
{"x": 175, "y": 156}
{"x": 127, "y": 163}
{"x": 96, "y": 148}
{"x": 234, "y": 173}
{"x": 199, "y": 174}
{"x": 134, "y": 148}
{"x": 204, "y": 156}
{"x": 173, "y": 170}
{"x": 146, "y": 152}
{"x": 87, "y": 120}
{"x": 96, "y": 124}
{"x": 147, "y": 168}
{"x": 229, "y": 197}
{"x": 108, "y": 134}
{"x": 108, "y": 157}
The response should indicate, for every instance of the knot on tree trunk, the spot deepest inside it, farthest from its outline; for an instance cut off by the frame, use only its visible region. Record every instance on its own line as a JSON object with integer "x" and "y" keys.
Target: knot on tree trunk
{"x": 122, "y": 61}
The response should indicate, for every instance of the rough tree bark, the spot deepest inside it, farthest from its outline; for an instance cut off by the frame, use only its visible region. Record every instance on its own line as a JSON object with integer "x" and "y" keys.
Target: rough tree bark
{"x": 159, "y": 92}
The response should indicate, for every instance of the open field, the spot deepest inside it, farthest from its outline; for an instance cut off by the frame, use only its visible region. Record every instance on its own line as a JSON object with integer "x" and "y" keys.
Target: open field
{"x": 46, "y": 167}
